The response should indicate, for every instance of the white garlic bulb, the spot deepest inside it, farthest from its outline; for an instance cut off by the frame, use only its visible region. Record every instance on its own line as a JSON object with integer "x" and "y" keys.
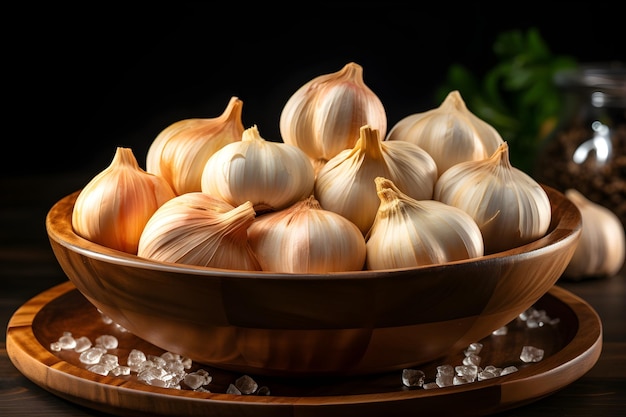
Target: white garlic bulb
{"x": 450, "y": 133}
{"x": 602, "y": 246}
{"x": 323, "y": 116}
{"x": 345, "y": 184}
{"x": 305, "y": 238}
{"x": 197, "y": 229}
{"x": 509, "y": 206}
{"x": 272, "y": 175}
{"x": 180, "y": 151}
{"x": 115, "y": 205}
{"x": 411, "y": 233}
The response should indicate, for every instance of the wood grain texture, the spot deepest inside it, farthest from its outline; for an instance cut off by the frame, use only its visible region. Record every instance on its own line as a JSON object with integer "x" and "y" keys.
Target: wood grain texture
{"x": 571, "y": 348}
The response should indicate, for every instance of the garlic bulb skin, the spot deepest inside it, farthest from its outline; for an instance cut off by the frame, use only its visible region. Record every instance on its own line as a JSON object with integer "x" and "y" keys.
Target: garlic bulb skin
{"x": 602, "y": 245}
{"x": 305, "y": 238}
{"x": 323, "y": 116}
{"x": 345, "y": 184}
{"x": 115, "y": 205}
{"x": 180, "y": 151}
{"x": 450, "y": 133}
{"x": 509, "y": 206}
{"x": 272, "y": 175}
{"x": 411, "y": 233}
{"x": 197, "y": 229}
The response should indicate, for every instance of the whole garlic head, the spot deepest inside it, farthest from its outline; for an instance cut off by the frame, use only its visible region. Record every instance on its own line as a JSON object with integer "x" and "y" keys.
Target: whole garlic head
{"x": 602, "y": 246}
{"x": 410, "y": 233}
{"x": 345, "y": 184}
{"x": 180, "y": 151}
{"x": 115, "y": 205}
{"x": 271, "y": 175}
{"x": 305, "y": 238}
{"x": 450, "y": 133}
{"x": 323, "y": 116}
{"x": 197, "y": 229}
{"x": 509, "y": 206}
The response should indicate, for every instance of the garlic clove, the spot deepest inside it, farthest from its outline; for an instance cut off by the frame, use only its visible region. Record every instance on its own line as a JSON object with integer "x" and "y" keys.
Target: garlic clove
{"x": 602, "y": 246}
{"x": 305, "y": 238}
{"x": 411, "y": 233}
{"x": 346, "y": 184}
{"x": 114, "y": 206}
{"x": 509, "y": 206}
{"x": 197, "y": 229}
{"x": 324, "y": 116}
{"x": 450, "y": 133}
{"x": 272, "y": 175}
{"x": 180, "y": 151}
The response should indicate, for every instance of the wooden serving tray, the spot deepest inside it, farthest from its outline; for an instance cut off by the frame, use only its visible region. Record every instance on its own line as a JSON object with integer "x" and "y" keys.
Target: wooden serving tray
{"x": 571, "y": 348}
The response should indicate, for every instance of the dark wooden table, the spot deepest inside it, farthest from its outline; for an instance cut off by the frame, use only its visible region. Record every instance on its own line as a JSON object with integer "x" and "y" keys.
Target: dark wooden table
{"x": 28, "y": 267}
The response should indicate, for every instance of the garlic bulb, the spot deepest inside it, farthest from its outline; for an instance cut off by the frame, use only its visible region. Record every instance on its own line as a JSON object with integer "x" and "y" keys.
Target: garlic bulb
{"x": 450, "y": 133}
{"x": 602, "y": 247}
{"x": 508, "y": 205}
{"x": 304, "y": 238}
{"x": 197, "y": 229}
{"x": 180, "y": 151}
{"x": 346, "y": 185}
{"x": 115, "y": 205}
{"x": 272, "y": 175}
{"x": 323, "y": 117}
{"x": 410, "y": 233}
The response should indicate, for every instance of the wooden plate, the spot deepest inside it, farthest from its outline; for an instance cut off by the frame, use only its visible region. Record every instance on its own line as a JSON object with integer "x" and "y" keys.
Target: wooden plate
{"x": 571, "y": 348}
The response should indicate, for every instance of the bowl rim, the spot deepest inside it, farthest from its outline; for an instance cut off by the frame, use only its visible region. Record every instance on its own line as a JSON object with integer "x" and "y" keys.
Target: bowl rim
{"x": 566, "y": 227}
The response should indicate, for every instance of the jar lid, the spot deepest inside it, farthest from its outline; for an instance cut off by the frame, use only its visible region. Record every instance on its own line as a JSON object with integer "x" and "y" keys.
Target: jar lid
{"x": 606, "y": 81}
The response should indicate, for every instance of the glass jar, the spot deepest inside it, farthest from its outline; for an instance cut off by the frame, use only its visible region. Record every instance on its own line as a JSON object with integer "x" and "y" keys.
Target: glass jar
{"x": 587, "y": 150}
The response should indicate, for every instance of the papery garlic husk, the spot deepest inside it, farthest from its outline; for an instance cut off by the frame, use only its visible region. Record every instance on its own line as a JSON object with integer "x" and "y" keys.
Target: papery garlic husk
{"x": 197, "y": 229}
{"x": 509, "y": 206}
{"x": 602, "y": 246}
{"x": 180, "y": 151}
{"x": 272, "y": 175}
{"x": 115, "y": 205}
{"x": 305, "y": 238}
{"x": 411, "y": 233}
{"x": 450, "y": 133}
{"x": 323, "y": 116}
{"x": 346, "y": 184}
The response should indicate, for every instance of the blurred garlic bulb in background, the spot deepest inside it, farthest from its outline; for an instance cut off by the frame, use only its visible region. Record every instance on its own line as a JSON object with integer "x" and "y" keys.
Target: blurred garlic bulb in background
{"x": 323, "y": 116}
{"x": 509, "y": 206}
{"x": 345, "y": 184}
{"x": 602, "y": 245}
{"x": 115, "y": 205}
{"x": 410, "y": 233}
{"x": 180, "y": 151}
{"x": 197, "y": 229}
{"x": 272, "y": 175}
{"x": 305, "y": 238}
{"x": 450, "y": 133}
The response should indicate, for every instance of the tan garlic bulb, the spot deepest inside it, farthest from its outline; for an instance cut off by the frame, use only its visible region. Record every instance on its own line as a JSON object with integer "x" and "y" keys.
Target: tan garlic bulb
{"x": 602, "y": 246}
{"x": 510, "y": 207}
{"x": 197, "y": 229}
{"x": 323, "y": 116}
{"x": 180, "y": 151}
{"x": 346, "y": 184}
{"x": 115, "y": 205}
{"x": 272, "y": 175}
{"x": 450, "y": 133}
{"x": 411, "y": 233}
{"x": 304, "y": 238}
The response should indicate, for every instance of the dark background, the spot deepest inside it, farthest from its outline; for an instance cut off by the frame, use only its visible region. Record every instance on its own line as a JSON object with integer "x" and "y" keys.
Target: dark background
{"x": 84, "y": 80}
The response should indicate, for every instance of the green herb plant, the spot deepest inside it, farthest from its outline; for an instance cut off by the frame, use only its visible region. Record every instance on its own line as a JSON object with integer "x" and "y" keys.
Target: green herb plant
{"x": 517, "y": 96}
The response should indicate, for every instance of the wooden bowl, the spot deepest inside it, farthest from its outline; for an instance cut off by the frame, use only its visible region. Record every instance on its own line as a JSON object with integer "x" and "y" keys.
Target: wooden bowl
{"x": 316, "y": 324}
